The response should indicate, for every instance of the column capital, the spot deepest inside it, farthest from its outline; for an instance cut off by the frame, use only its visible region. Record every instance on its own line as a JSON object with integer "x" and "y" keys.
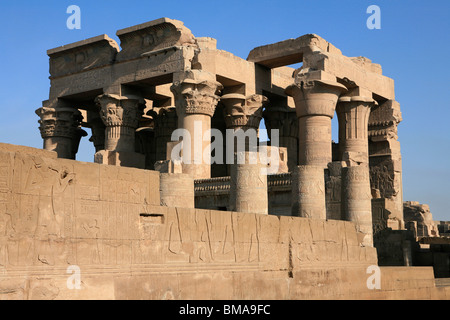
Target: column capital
{"x": 195, "y": 92}
{"x": 120, "y": 111}
{"x": 315, "y": 93}
{"x": 241, "y": 111}
{"x": 353, "y": 115}
{"x": 58, "y": 122}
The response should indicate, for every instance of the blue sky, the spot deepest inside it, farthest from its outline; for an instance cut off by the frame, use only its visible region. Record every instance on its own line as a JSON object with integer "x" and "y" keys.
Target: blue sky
{"x": 413, "y": 47}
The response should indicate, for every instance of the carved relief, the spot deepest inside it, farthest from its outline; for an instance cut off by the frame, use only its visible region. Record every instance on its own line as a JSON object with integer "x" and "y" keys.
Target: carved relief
{"x": 241, "y": 111}
{"x": 88, "y": 54}
{"x": 382, "y": 178}
{"x": 120, "y": 111}
{"x": 384, "y": 120}
{"x": 158, "y": 34}
{"x": 58, "y": 122}
{"x": 194, "y": 96}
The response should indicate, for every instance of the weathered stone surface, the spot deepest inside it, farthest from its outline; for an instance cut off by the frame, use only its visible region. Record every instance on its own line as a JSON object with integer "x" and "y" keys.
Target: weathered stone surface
{"x": 420, "y": 213}
{"x": 290, "y": 51}
{"x": 248, "y": 184}
{"x": 356, "y": 200}
{"x": 138, "y": 234}
{"x": 152, "y": 36}
{"x": 315, "y": 99}
{"x": 308, "y": 192}
{"x": 107, "y": 221}
{"x": 83, "y": 55}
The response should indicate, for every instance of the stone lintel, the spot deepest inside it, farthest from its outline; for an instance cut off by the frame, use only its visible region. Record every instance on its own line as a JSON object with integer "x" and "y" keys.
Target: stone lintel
{"x": 159, "y": 68}
{"x": 82, "y": 55}
{"x": 351, "y": 73}
{"x": 290, "y": 51}
{"x": 151, "y": 36}
{"x": 150, "y": 24}
{"x": 83, "y": 43}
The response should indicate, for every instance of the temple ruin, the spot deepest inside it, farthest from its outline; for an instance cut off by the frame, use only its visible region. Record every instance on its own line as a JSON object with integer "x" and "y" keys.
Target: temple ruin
{"x": 140, "y": 224}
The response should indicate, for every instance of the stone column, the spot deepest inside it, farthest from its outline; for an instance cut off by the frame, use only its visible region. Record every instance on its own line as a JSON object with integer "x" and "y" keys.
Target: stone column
{"x": 196, "y": 100}
{"x": 98, "y": 130}
{"x": 356, "y": 200}
{"x": 120, "y": 115}
{"x": 284, "y": 119}
{"x": 353, "y": 115}
{"x": 166, "y": 122}
{"x": 248, "y": 185}
{"x": 60, "y": 129}
{"x": 315, "y": 95}
{"x": 308, "y": 192}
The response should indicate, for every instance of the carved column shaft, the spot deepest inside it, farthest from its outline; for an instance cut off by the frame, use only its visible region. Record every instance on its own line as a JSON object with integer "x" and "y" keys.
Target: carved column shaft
{"x": 196, "y": 100}
{"x": 314, "y": 140}
{"x": 356, "y": 200}
{"x": 248, "y": 188}
{"x": 315, "y": 95}
{"x": 315, "y": 102}
{"x": 308, "y": 192}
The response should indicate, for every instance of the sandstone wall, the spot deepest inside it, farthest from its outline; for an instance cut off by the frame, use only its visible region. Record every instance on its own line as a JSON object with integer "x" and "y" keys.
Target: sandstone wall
{"x": 107, "y": 221}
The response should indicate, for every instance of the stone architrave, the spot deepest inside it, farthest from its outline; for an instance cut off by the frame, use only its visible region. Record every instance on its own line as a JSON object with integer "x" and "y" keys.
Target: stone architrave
{"x": 196, "y": 100}
{"x": 315, "y": 95}
{"x": 60, "y": 129}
